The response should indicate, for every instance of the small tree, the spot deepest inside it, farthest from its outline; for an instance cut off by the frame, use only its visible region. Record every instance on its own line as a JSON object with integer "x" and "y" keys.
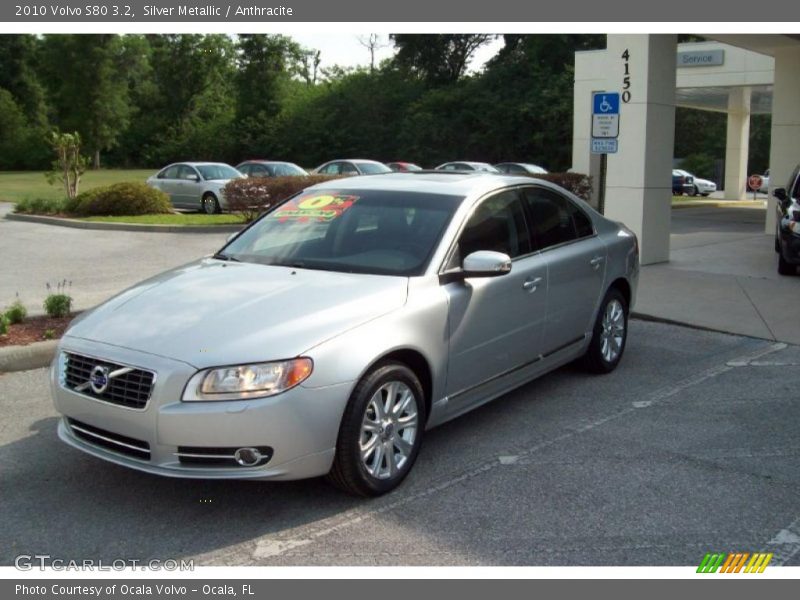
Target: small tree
{"x": 69, "y": 164}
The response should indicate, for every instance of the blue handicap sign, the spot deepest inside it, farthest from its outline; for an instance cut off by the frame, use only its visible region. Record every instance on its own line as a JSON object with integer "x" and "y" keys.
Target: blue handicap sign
{"x": 605, "y": 103}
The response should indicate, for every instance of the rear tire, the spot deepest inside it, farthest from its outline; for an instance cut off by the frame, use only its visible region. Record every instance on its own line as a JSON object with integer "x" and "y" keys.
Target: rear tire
{"x": 609, "y": 335}
{"x": 381, "y": 432}
{"x": 694, "y": 191}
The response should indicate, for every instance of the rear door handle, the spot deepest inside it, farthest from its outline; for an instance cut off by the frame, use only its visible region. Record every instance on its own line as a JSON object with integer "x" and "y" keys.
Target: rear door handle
{"x": 530, "y": 285}
{"x": 596, "y": 261}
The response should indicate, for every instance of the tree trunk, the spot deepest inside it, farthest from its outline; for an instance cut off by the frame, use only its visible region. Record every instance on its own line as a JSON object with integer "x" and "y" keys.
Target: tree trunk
{"x": 96, "y": 160}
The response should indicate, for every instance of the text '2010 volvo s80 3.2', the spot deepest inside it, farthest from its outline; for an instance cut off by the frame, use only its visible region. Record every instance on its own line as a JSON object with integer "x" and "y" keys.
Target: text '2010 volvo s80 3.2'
{"x": 330, "y": 334}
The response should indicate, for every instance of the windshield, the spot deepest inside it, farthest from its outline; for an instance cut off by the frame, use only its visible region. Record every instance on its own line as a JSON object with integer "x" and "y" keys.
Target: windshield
{"x": 363, "y": 231}
{"x": 373, "y": 168}
{"x": 217, "y": 172}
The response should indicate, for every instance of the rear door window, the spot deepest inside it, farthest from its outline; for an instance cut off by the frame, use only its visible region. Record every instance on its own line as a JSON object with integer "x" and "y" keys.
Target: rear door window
{"x": 555, "y": 219}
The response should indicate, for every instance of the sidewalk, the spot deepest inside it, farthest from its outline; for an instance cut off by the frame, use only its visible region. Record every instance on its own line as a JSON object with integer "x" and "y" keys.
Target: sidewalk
{"x": 722, "y": 275}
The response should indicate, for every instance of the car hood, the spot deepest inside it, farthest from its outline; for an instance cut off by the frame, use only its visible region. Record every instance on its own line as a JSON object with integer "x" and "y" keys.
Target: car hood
{"x": 211, "y": 313}
{"x": 703, "y": 181}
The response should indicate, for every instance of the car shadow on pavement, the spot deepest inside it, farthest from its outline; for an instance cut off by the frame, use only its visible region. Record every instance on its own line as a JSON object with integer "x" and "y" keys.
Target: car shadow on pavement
{"x": 61, "y": 502}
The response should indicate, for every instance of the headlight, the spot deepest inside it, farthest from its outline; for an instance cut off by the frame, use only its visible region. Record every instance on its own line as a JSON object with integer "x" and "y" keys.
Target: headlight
{"x": 241, "y": 382}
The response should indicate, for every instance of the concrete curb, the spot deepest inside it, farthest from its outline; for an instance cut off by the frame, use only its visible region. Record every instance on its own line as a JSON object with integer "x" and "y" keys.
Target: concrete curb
{"x": 719, "y": 204}
{"x": 61, "y": 222}
{"x": 666, "y": 321}
{"x": 25, "y": 358}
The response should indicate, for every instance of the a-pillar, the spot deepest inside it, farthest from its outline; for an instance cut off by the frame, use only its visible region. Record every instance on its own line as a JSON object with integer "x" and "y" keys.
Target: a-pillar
{"x": 784, "y": 150}
{"x": 737, "y": 143}
{"x": 639, "y": 181}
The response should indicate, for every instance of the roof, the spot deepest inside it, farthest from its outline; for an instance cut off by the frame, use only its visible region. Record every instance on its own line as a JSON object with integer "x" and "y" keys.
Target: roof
{"x": 452, "y": 183}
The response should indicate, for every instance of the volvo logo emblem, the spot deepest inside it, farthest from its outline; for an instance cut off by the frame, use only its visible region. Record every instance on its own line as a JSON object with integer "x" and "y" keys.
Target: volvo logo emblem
{"x": 98, "y": 380}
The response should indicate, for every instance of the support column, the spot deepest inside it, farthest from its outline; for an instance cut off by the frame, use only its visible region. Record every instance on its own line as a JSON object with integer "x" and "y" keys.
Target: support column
{"x": 589, "y": 77}
{"x": 737, "y": 144}
{"x": 639, "y": 184}
{"x": 784, "y": 149}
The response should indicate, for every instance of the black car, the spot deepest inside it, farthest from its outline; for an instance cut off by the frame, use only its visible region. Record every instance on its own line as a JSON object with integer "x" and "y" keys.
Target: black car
{"x": 682, "y": 184}
{"x": 787, "y": 235}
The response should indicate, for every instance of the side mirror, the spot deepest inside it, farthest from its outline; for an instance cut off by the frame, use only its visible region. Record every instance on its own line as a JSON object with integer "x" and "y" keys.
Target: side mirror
{"x": 780, "y": 194}
{"x": 486, "y": 263}
{"x": 193, "y": 177}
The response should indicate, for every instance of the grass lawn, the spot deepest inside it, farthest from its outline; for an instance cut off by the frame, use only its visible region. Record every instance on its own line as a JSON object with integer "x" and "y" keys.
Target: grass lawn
{"x": 17, "y": 185}
{"x": 173, "y": 219}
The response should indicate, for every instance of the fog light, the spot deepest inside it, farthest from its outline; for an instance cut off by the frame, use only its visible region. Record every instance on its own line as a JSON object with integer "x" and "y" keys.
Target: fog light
{"x": 247, "y": 457}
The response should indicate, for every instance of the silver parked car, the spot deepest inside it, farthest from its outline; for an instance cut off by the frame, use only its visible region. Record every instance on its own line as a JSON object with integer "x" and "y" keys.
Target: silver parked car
{"x": 466, "y": 165}
{"x": 329, "y": 335}
{"x": 195, "y": 185}
{"x": 352, "y": 166}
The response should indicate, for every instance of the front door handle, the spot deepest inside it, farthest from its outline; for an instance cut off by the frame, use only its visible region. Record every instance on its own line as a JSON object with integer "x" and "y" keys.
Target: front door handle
{"x": 530, "y": 285}
{"x": 596, "y": 261}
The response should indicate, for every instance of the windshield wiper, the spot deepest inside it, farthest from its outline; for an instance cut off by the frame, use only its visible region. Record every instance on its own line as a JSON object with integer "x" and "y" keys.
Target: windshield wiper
{"x": 222, "y": 256}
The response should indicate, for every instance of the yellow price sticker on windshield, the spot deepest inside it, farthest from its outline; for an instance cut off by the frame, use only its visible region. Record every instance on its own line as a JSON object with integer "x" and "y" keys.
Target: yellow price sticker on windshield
{"x": 319, "y": 207}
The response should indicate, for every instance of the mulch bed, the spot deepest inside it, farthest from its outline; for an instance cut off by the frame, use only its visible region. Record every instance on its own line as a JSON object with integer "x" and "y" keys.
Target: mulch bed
{"x": 33, "y": 329}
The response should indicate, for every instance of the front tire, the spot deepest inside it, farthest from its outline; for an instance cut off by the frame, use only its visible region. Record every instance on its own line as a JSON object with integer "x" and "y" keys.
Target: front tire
{"x": 381, "y": 432}
{"x": 210, "y": 204}
{"x": 785, "y": 267}
{"x": 609, "y": 335}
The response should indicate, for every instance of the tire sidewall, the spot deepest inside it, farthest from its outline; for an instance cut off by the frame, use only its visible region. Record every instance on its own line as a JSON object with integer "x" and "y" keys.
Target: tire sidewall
{"x": 212, "y": 200}
{"x": 595, "y": 347}
{"x": 347, "y": 446}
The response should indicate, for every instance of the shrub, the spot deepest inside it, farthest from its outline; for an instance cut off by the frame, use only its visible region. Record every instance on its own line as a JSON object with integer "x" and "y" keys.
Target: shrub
{"x": 3, "y": 325}
{"x": 16, "y": 313}
{"x": 58, "y": 305}
{"x": 49, "y": 334}
{"x": 120, "y": 199}
{"x": 41, "y": 206}
{"x": 251, "y": 196}
{"x": 577, "y": 183}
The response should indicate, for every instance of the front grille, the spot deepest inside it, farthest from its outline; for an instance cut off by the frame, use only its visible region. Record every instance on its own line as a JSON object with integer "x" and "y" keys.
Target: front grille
{"x": 206, "y": 456}
{"x": 131, "y": 388}
{"x": 121, "y": 444}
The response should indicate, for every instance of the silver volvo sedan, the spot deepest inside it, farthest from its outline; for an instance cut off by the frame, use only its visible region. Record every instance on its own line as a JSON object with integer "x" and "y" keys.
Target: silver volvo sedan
{"x": 329, "y": 335}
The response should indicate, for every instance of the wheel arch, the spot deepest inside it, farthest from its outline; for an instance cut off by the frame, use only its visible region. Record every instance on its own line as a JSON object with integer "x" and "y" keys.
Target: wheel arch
{"x": 419, "y": 365}
{"x": 624, "y": 287}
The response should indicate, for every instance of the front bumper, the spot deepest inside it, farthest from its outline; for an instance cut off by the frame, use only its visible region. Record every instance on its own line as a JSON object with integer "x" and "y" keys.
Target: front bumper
{"x": 300, "y": 426}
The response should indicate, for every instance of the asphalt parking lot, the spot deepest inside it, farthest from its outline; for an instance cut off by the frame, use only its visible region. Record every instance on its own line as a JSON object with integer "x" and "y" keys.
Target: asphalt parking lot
{"x": 98, "y": 263}
{"x": 689, "y": 447}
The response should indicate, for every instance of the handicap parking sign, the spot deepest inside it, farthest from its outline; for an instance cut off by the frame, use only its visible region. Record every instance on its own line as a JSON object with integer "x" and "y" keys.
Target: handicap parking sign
{"x": 605, "y": 103}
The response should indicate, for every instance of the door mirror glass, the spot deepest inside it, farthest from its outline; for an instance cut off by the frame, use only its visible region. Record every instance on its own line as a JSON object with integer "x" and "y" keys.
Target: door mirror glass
{"x": 780, "y": 194}
{"x": 486, "y": 263}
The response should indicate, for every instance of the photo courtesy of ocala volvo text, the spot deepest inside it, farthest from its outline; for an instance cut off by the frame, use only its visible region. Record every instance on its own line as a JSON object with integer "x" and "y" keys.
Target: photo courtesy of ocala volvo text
{"x": 329, "y": 335}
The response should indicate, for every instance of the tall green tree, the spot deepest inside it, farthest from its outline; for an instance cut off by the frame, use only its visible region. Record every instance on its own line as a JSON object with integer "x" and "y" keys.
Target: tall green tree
{"x": 439, "y": 59}
{"x": 88, "y": 79}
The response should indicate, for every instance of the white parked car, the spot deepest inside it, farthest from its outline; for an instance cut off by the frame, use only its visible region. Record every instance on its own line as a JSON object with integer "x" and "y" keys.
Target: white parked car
{"x": 702, "y": 187}
{"x": 764, "y": 182}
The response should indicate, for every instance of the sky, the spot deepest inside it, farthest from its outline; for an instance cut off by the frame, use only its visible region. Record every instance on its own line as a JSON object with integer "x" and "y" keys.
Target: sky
{"x": 346, "y": 51}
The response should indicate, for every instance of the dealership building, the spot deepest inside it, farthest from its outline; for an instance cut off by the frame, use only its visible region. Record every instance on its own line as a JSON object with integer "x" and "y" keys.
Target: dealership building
{"x": 739, "y": 75}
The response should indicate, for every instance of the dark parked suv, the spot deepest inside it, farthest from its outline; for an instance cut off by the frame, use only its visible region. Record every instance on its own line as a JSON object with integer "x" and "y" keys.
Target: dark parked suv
{"x": 787, "y": 235}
